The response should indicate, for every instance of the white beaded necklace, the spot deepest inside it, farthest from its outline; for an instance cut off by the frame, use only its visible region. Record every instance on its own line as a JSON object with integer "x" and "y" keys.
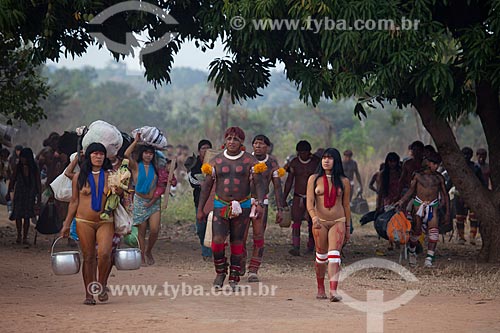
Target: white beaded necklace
{"x": 264, "y": 160}
{"x": 304, "y": 162}
{"x": 96, "y": 172}
{"x": 233, "y": 158}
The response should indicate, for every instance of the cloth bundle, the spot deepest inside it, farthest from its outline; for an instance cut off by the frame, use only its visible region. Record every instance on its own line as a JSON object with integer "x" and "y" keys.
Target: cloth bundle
{"x": 107, "y": 134}
{"x": 151, "y": 136}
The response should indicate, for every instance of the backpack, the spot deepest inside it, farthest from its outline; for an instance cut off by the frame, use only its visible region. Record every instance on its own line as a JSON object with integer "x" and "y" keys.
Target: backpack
{"x": 398, "y": 228}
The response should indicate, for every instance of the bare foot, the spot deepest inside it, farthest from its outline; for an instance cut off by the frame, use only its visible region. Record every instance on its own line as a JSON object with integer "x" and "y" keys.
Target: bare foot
{"x": 89, "y": 301}
{"x": 103, "y": 297}
{"x": 149, "y": 259}
{"x": 321, "y": 294}
{"x": 143, "y": 261}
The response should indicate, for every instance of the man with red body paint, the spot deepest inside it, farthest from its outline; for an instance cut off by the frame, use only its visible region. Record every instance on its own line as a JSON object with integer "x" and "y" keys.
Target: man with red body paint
{"x": 232, "y": 171}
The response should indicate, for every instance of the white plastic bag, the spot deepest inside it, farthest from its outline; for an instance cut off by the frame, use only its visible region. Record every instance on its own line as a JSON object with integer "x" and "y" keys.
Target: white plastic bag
{"x": 208, "y": 232}
{"x": 151, "y": 136}
{"x": 123, "y": 221}
{"x": 107, "y": 134}
{"x": 61, "y": 186}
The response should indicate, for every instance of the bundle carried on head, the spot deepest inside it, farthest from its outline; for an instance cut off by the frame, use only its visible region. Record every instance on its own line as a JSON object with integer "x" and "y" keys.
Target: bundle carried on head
{"x": 107, "y": 134}
{"x": 151, "y": 136}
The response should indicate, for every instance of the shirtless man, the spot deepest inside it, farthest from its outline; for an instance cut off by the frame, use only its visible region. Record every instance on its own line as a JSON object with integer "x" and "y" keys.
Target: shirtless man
{"x": 232, "y": 172}
{"x": 299, "y": 170}
{"x": 350, "y": 170}
{"x": 261, "y": 144}
{"x": 427, "y": 187}
{"x": 411, "y": 165}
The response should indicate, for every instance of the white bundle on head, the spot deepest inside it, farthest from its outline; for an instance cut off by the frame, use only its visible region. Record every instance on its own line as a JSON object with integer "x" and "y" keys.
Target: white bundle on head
{"x": 107, "y": 134}
{"x": 151, "y": 136}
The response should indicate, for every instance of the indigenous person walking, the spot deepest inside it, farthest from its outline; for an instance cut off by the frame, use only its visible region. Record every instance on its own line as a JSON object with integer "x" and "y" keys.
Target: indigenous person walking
{"x": 90, "y": 186}
{"x": 482, "y": 155}
{"x": 232, "y": 172}
{"x": 299, "y": 170}
{"x": 426, "y": 189}
{"x": 461, "y": 207}
{"x": 195, "y": 177}
{"x": 388, "y": 182}
{"x": 261, "y": 144}
{"x": 144, "y": 174}
{"x": 388, "y": 185}
{"x": 27, "y": 187}
{"x": 351, "y": 169}
{"x": 411, "y": 165}
{"x": 373, "y": 180}
{"x": 328, "y": 204}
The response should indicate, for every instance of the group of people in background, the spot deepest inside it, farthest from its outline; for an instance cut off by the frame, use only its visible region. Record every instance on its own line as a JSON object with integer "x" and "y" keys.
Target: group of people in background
{"x": 419, "y": 184}
{"x": 234, "y": 185}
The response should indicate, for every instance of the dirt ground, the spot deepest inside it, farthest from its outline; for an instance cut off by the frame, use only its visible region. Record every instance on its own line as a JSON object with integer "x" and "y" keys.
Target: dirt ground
{"x": 456, "y": 295}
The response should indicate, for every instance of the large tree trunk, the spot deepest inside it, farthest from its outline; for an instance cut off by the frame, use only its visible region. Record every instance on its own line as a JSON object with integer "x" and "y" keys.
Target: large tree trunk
{"x": 484, "y": 203}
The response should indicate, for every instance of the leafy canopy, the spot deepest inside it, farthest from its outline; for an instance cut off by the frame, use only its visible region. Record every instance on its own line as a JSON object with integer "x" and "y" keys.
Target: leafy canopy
{"x": 455, "y": 46}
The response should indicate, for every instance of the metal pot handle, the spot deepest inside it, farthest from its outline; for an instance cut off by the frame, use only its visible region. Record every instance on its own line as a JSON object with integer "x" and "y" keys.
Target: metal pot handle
{"x": 54, "y": 244}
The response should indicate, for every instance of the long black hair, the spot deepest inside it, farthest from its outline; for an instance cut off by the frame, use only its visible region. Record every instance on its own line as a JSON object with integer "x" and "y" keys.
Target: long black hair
{"x": 27, "y": 154}
{"x": 392, "y": 156}
{"x": 86, "y": 165}
{"x": 337, "y": 171}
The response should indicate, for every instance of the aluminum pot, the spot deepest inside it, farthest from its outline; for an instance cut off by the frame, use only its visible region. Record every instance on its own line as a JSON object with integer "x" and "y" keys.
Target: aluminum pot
{"x": 128, "y": 259}
{"x": 66, "y": 262}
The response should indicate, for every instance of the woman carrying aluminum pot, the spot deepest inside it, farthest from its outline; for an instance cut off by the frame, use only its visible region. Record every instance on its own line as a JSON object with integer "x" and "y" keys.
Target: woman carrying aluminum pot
{"x": 89, "y": 187}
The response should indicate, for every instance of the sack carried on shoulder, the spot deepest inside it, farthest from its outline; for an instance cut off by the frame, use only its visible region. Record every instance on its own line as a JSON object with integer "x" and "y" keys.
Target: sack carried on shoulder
{"x": 123, "y": 221}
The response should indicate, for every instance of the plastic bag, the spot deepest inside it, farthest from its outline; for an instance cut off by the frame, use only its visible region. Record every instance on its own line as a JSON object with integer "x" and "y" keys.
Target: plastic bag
{"x": 61, "y": 186}
{"x": 151, "y": 136}
{"x": 123, "y": 221}
{"x": 131, "y": 239}
{"x": 208, "y": 232}
{"x": 107, "y": 134}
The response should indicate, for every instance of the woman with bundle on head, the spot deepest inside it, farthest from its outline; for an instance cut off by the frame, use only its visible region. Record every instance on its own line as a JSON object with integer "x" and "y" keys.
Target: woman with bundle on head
{"x": 145, "y": 175}
{"x": 90, "y": 186}
{"x": 27, "y": 187}
{"x": 328, "y": 193}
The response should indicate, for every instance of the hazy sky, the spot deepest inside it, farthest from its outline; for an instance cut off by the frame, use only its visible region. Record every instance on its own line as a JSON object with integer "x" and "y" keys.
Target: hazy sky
{"x": 188, "y": 56}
